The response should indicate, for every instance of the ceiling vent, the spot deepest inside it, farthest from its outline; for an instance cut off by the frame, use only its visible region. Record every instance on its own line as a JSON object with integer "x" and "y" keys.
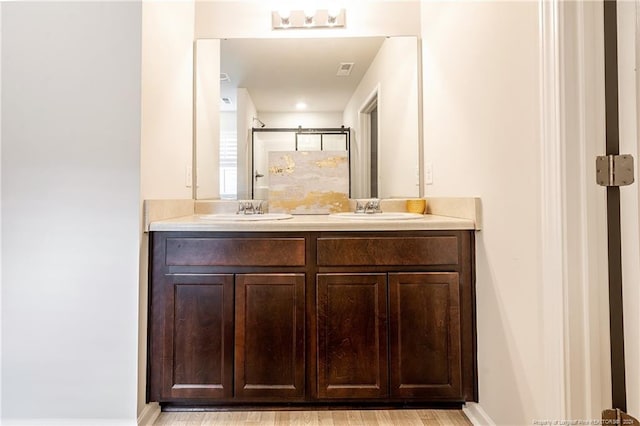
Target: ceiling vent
{"x": 344, "y": 69}
{"x": 224, "y": 77}
{"x": 226, "y": 101}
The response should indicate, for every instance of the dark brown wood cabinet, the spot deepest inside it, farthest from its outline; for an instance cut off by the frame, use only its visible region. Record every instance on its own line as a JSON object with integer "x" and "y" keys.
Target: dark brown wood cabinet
{"x": 299, "y": 318}
{"x": 269, "y": 335}
{"x": 422, "y": 359}
{"x": 197, "y": 337}
{"x": 425, "y": 335}
{"x": 352, "y": 336}
{"x": 422, "y": 306}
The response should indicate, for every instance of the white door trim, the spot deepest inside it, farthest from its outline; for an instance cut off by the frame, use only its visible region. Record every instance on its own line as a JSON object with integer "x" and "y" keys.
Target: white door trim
{"x": 553, "y": 256}
{"x": 573, "y": 218}
{"x": 364, "y": 124}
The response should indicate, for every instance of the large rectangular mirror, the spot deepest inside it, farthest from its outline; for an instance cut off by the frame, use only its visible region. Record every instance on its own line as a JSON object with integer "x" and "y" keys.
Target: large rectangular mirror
{"x": 366, "y": 84}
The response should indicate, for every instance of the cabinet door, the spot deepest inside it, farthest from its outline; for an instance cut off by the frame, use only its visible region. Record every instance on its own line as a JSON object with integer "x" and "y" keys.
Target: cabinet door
{"x": 424, "y": 311}
{"x": 352, "y": 335}
{"x": 198, "y": 337}
{"x": 270, "y": 335}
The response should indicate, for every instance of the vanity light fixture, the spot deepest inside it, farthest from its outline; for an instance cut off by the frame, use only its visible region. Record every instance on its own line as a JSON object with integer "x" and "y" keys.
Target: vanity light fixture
{"x": 306, "y": 19}
{"x": 301, "y": 105}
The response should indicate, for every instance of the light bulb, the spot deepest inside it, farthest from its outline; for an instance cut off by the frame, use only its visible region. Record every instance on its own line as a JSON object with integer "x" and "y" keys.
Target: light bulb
{"x": 308, "y": 17}
{"x": 285, "y": 20}
{"x": 332, "y": 16}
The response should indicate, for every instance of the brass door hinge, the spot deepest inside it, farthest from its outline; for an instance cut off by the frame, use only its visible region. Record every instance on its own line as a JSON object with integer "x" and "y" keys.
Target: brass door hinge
{"x": 614, "y": 170}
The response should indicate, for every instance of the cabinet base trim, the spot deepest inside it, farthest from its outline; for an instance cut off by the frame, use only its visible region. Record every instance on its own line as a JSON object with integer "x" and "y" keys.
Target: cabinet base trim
{"x": 298, "y": 406}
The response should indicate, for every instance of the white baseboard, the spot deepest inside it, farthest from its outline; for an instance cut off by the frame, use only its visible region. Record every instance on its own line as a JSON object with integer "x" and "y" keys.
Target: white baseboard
{"x": 67, "y": 422}
{"x": 149, "y": 414}
{"x": 476, "y": 415}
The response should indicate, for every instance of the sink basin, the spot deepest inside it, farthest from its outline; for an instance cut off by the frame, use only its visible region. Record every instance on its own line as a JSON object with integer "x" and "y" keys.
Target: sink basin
{"x": 377, "y": 216}
{"x": 231, "y": 217}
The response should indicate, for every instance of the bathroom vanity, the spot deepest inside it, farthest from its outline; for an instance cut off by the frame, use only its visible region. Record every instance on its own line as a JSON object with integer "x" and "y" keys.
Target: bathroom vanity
{"x": 312, "y": 311}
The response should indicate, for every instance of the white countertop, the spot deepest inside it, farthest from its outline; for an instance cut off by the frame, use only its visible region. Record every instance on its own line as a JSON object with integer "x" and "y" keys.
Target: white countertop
{"x": 313, "y": 223}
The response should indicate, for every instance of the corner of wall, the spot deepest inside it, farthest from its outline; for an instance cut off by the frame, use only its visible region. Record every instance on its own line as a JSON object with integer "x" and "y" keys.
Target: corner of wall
{"x": 166, "y": 149}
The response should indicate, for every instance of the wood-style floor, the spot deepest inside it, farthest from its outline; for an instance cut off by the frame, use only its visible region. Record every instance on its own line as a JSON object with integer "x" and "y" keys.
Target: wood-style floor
{"x": 323, "y": 418}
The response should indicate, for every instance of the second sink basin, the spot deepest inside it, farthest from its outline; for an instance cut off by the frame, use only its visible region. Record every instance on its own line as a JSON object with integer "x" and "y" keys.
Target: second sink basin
{"x": 377, "y": 216}
{"x": 230, "y": 217}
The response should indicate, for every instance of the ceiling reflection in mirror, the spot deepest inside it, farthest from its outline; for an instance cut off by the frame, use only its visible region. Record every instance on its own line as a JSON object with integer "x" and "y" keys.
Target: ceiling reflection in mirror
{"x": 366, "y": 84}
{"x": 280, "y": 73}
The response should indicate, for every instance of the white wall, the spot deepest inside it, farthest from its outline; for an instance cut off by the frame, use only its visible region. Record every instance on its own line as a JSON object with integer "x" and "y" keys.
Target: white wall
{"x": 167, "y": 98}
{"x": 394, "y": 75}
{"x": 481, "y": 132}
{"x": 166, "y": 129}
{"x": 70, "y": 211}
{"x": 207, "y": 130}
{"x": 252, "y": 18}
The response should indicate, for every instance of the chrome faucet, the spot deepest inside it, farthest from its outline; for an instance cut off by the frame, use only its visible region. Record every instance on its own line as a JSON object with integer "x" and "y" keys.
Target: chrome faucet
{"x": 369, "y": 206}
{"x": 250, "y": 207}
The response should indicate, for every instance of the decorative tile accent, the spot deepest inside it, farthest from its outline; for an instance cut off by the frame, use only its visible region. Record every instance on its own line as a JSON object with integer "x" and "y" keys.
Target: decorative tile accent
{"x": 308, "y": 182}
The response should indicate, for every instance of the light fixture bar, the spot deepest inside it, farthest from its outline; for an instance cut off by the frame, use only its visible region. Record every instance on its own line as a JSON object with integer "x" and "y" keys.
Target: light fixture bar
{"x": 298, "y": 19}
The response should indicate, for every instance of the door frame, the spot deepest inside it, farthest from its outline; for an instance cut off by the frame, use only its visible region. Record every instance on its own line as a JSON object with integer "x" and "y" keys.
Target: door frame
{"x": 364, "y": 123}
{"x": 629, "y": 60}
{"x": 573, "y": 218}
